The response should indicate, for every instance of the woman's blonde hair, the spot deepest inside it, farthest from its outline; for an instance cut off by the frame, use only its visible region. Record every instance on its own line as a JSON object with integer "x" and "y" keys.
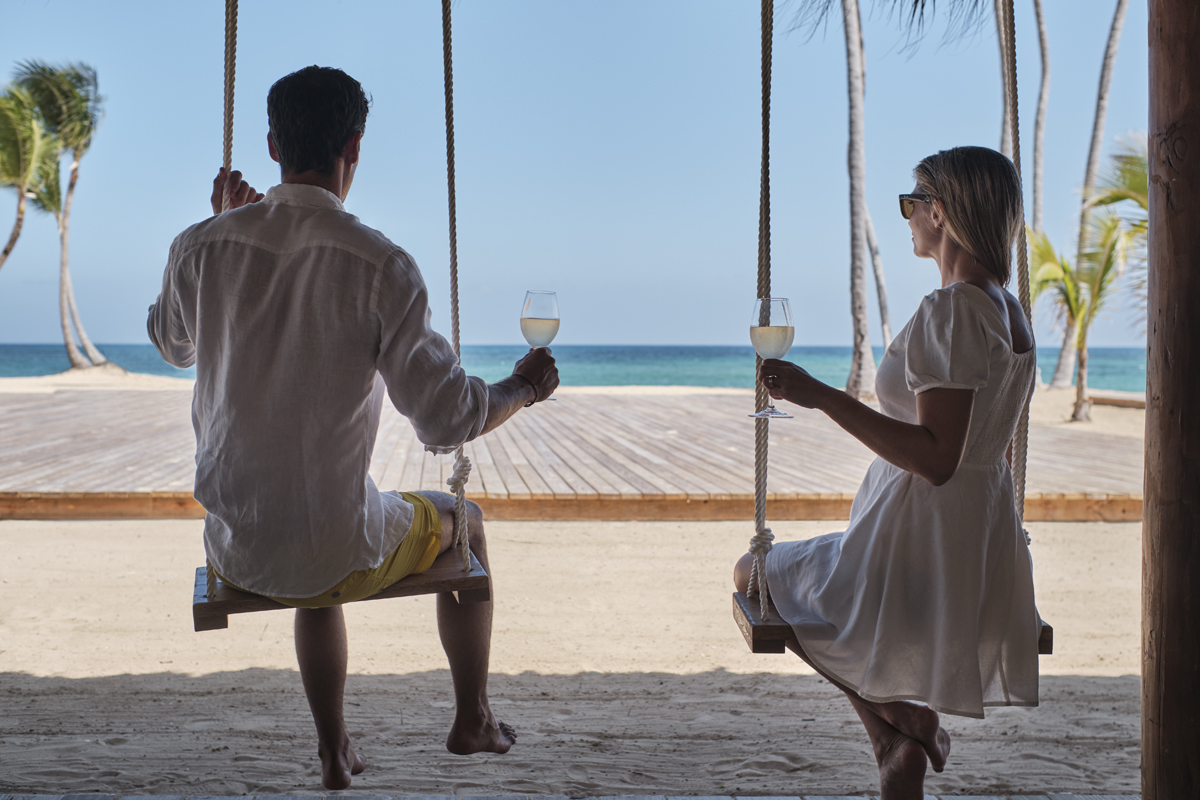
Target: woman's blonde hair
{"x": 980, "y": 193}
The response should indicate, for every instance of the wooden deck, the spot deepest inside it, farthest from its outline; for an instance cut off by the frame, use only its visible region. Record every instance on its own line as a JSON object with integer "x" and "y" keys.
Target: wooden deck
{"x": 1053, "y": 796}
{"x": 591, "y": 455}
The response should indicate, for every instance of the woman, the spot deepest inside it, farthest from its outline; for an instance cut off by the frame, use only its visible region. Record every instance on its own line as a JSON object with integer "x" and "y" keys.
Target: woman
{"x": 928, "y": 594}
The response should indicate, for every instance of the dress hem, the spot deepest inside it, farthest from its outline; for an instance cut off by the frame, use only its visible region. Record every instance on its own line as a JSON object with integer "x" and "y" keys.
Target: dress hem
{"x": 825, "y": 671}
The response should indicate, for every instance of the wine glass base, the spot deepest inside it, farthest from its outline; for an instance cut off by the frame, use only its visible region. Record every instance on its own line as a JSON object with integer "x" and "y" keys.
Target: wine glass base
{"x": 770, "y": 412}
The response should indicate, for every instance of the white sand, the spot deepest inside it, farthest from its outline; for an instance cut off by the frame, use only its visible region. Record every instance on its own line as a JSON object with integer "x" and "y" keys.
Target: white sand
{"x": 615, "y": 655}
{"x": 107, "y": 377}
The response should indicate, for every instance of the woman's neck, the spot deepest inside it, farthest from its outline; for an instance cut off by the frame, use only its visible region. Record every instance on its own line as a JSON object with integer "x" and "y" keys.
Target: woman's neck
{"x": 956, "y": 265}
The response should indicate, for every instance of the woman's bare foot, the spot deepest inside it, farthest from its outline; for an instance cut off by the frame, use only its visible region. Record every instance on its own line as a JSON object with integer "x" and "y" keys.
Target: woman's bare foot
{"x": 901, "y": 769}
{"x": 484, "y": 734}
{"x": 920, "y": 723}
{"x": 337, "y": 765}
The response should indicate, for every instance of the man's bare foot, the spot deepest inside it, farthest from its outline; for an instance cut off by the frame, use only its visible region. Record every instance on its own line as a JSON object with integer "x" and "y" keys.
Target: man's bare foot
{"x": 338, "y": 765}
{"x": 920, "y": 723}
{"x": 902, "y": 769}
{"x": 489, "y": 735}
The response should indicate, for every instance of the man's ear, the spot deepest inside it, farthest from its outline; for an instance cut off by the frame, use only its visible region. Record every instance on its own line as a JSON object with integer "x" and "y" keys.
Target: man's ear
{"x": 271, "y": 149}
{"x": 353, "y": 146}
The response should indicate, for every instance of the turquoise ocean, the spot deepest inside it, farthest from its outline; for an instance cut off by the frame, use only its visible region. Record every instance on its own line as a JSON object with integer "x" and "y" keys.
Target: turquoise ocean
{"x": 1119, "y": 368}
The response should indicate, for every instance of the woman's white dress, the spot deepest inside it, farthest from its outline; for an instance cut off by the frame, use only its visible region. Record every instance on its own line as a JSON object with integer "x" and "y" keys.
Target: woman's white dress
{"x": 928, "y": 594}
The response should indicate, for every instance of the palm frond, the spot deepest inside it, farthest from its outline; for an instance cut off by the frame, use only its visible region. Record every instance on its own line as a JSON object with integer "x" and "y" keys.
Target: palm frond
{"x": 1126, "y": 178}
{"x": 1050, "y": 272}
{"x": 68, "y": 98}
{"x": 1103, "y": 262}
{"x": 961, "y": 15}
{"x": 25, "y": 142}
{"x": 45, "y": 193}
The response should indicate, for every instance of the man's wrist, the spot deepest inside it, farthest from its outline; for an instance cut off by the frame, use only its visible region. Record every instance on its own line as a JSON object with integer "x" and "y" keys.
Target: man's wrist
{"x": 532, "y": 387}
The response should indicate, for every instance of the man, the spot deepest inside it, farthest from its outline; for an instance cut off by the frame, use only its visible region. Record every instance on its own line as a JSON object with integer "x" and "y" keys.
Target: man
{"x": 298, "y": 318}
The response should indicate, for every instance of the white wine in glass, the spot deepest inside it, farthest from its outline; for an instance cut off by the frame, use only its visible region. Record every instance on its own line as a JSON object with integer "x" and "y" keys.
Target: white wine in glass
{"x": 539, "y": 318}
{"x": 771, "y": 333}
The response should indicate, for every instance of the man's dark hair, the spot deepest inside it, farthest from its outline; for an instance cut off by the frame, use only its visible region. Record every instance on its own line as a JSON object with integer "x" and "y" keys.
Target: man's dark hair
{"x": 312, "y": 113}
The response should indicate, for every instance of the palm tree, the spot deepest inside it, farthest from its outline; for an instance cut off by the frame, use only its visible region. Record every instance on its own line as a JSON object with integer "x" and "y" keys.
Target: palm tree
{"x": 1006, "y": 113}
{"x": 69, "y": 100}
{"x": 25, "y": 148}
{"x": 1125, "y": 186}
{"x": 1082, "y": 290}
{"x": 1039, "y": 124}
{"x": 46, "y": 195}
{"x": 885, "y": 322}
{"x": 1067, "y": 355}
{"x": 862, "y": 365}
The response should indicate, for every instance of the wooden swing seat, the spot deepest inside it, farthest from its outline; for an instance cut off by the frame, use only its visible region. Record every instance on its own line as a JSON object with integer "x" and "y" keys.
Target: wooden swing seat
{"x": 774, "y": 635}
{"x": 446, "y": 575}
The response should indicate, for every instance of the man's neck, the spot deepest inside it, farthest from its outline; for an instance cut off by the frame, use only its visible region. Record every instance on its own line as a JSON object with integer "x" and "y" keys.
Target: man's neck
{"x": 330, "y": 183}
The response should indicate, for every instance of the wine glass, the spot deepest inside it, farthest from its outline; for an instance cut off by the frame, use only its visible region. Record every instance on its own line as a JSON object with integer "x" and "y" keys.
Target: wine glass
{"x": 771, "y": 333}
{"x": 539, "y": 319}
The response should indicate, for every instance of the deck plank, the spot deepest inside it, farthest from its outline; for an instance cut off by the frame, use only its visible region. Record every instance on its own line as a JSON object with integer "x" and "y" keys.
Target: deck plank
{"x": 65, "y": 450}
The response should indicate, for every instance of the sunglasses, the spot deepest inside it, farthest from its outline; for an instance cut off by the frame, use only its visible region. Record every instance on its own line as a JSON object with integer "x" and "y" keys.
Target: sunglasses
{"x": 908, "y": 202}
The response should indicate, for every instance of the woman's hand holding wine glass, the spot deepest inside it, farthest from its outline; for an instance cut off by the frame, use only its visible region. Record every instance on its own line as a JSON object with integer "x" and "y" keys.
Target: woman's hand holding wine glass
{"x": 786, "y": 381}
{"x": 771, "y": 333}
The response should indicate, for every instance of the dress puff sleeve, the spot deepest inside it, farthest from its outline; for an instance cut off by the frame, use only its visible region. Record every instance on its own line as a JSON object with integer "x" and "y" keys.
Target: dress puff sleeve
{"x": 948, "y": 344}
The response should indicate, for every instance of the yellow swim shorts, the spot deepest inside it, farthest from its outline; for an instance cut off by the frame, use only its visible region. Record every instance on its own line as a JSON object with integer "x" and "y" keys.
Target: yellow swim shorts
{"x": 415, "y": 554}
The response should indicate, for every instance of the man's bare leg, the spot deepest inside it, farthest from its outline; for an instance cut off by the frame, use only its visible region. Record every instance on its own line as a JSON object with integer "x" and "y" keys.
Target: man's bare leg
{"x": 912, "y": 720}
{"x": 321, "y": 650}
{"x": 466, "y": 633}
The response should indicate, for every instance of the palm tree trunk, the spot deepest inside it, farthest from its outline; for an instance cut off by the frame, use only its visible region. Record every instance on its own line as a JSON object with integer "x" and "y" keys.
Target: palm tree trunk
{"x": 1039, "y": 124}
{"x": 873, "y": 243}
{"x": 77, "y": 359}
{"x": 1083, "y": 404}
{"x": 1064, "y": 370}
{"x": 97, "y": 358}
{"x": 862, "y": 365}
{"x": 885, "y": 321}
{"x": 1067, "y": 355}
{"x": 16, "y": 231}
{"x": 1001, "y": 36}
{"x": 93, "y": 353}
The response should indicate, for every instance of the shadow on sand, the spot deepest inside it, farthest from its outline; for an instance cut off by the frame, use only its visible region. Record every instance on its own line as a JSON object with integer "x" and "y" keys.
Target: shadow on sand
{"x": 712, "y": 733}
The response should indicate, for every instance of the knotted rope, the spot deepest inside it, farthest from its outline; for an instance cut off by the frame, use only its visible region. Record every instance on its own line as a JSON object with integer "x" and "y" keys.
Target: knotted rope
{"x": 210, "y": 588}
{"x": 760, "y": 543}
{"x": 462, "y": 464}
{"x": 231, "y": 9}
{"x": 1021, "y": 437}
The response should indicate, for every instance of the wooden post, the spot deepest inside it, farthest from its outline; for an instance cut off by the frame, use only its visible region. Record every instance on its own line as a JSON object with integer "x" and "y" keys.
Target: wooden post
{"x": 1171, "y": 525}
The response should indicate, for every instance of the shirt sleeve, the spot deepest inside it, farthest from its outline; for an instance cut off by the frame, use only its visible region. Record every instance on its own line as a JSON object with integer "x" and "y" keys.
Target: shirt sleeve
{"x": 948, "y": 345}
{"x": 424, "y": 380}
{"x": 166, "y": 324}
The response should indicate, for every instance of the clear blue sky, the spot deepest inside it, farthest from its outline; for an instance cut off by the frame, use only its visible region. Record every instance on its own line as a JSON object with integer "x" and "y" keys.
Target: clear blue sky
{"x": 607, "y": 149}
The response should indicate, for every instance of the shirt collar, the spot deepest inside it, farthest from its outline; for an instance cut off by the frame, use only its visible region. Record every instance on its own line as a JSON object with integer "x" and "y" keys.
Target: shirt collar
{"x": 302, "y": 194}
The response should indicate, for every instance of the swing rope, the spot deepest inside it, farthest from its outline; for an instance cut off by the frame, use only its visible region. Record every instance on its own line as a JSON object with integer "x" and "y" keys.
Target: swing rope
{"x": 760, "y": 543}
{"x": 231, "y": 10}
{"x": 462, "y": 464}
{"x": 1021, "y": 437}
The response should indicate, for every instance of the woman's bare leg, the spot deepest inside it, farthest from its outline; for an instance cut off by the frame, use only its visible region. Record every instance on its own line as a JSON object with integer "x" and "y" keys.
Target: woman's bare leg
{"x": 321, "y": 651}
{"x": 914, "y": 721}
{"x": 901, "y": 759}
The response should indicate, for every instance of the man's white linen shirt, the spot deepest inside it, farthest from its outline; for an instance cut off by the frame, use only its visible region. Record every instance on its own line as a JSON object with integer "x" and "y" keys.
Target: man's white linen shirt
{"x": 297, "y": 316}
